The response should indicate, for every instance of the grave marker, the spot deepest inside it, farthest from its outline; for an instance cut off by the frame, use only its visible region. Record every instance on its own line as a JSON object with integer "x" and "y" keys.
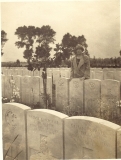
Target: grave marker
{"x": 56, "y": 75}
{"x": 90, "y": 138}
{"x": 62, "y": 94}
{"x": 26, "y": 89}
{"x": 14, "y": 131}
{"x": 119, "y": 143}
{"x": 63, "y": 72}
{"x": 17, "y": 88}
{"x": 35, "y": 84}
{"x": 3, "y": 85}
{"x": 92, "y": 97}
{"x": 117, "y": 75}
{"x": 8, "y": 86}
{"x": 45, "y": 127}
{"x": 20, "y": 71}
{"x": 98, "y": 75}
{"x": 75, "y": 96}
{"x": 110, "y": 94}
{"x": 108, "y": 74}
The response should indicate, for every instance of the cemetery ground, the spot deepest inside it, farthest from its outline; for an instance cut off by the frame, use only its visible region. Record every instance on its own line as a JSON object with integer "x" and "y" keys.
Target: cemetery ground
{"x": 73, "y": 120}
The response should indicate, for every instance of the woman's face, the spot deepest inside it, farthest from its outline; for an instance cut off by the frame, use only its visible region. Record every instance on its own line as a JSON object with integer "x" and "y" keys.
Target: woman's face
{"x": 79, "y": 52}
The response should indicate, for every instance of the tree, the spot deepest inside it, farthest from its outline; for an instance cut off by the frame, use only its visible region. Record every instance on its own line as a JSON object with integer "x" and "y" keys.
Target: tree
{"x": 37, "y": 50}
{"x": 3, "y": 40}
{"x": 39, "y": 37}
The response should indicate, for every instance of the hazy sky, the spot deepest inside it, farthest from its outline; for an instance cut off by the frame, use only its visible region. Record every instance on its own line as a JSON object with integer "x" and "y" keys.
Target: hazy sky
{"x": 98, "y": 20}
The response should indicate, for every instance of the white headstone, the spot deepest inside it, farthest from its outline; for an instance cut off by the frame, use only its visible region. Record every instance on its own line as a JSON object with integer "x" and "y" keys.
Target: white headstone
{"x": 14, "y": 131}
{"x": 62, "y": 94}
{"x": 98, "y": 75}
{"x": 108, "y": 74}
{"x": 35, "y": 84}
{"x": 56, "y": 75}
{"x": 17, "y": 88}
{"x": 20, "y": 71}
{"x": 8, "y": 86}
{"x": 75, "y": 97}
{"x": 26, "y": 89}
{"x": 92, "y": 97}
{"x": 90, "y": 138}
{"x": 119, "y": 143}
{"x": 3, "y": 85}
{"x": 117, "y": 75}
{"x": 110, "y": 94}
{"x": 45, "y": 134}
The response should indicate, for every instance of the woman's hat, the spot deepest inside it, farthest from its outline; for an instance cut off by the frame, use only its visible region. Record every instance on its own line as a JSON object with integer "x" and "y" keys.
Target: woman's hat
{"x": 79, "y": 46}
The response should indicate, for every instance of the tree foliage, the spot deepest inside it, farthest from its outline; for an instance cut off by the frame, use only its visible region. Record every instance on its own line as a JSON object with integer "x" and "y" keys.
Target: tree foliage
{"x": 67, "y": 47}
{"x": 3, "y": 40}
{"x": 36, "y": 42}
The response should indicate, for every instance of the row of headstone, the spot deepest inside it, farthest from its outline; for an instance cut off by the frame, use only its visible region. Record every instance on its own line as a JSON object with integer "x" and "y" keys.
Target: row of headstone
{"x": 90, "y": 97}
{"x": 56, "y": 73}
{"x": 43, "y": 134}
{"x": 28, "y": 90}
{"x": 116, "y": 75}
{"x": 21, "y": 71}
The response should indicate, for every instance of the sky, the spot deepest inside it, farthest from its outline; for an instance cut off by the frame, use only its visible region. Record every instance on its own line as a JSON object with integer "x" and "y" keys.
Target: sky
{"x": 98, "y": 21}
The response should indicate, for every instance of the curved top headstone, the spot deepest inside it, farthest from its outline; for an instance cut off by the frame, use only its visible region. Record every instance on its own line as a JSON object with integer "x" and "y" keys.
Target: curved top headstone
{"x": 18, "y": 105}
{"x": 14, "y": 130}
{"x": 90, "y": 138}
{"x": 45, "y": 134}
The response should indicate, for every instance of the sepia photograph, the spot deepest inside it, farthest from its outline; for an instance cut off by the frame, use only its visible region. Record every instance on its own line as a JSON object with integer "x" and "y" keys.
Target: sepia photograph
{"x": 60, "y": 80}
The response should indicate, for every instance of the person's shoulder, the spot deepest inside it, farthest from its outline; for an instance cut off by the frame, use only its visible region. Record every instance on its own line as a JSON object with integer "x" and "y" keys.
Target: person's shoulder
{"x": 86, "y": 57}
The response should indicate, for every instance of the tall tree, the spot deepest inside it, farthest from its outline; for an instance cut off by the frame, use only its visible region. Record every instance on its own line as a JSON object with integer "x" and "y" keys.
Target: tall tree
{"x": 3, "y": 40}
{"x": 36, "y": 43}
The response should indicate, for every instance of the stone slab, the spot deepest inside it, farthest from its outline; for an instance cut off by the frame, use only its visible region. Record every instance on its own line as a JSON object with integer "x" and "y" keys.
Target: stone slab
{"x": 119, "y": 143}
{"x": 20, "y": 71}
{"x": 56, "y": 75}
{"x": 35, "y": 84}
{"x": 36, "y": 73}
{"x": 14, "y": 131}
{"x": 108, "y": 74}
{"x": 92, "y": 97}
{"x": 63, "y": 72}
{"x": 42, "y": 93}
{"x": 45, "y": 134}
{"x": 3, "y": 85}
{"x": 110, "y": 94}
{"x": 25, "y": 72}
{"x": 89, "y": 138}
{"x": 98, "y": 75}
{"x": 26, "y": 90}
{"x": 62, "y": 94}
{"x": 17, "y": 92}
{"x": 49, "y": 72}
{"x": 8, "y": 86}
{"x": 92, "y": 75}
{"x": 117, "y": 75}
{"x": 75, "y": 97}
